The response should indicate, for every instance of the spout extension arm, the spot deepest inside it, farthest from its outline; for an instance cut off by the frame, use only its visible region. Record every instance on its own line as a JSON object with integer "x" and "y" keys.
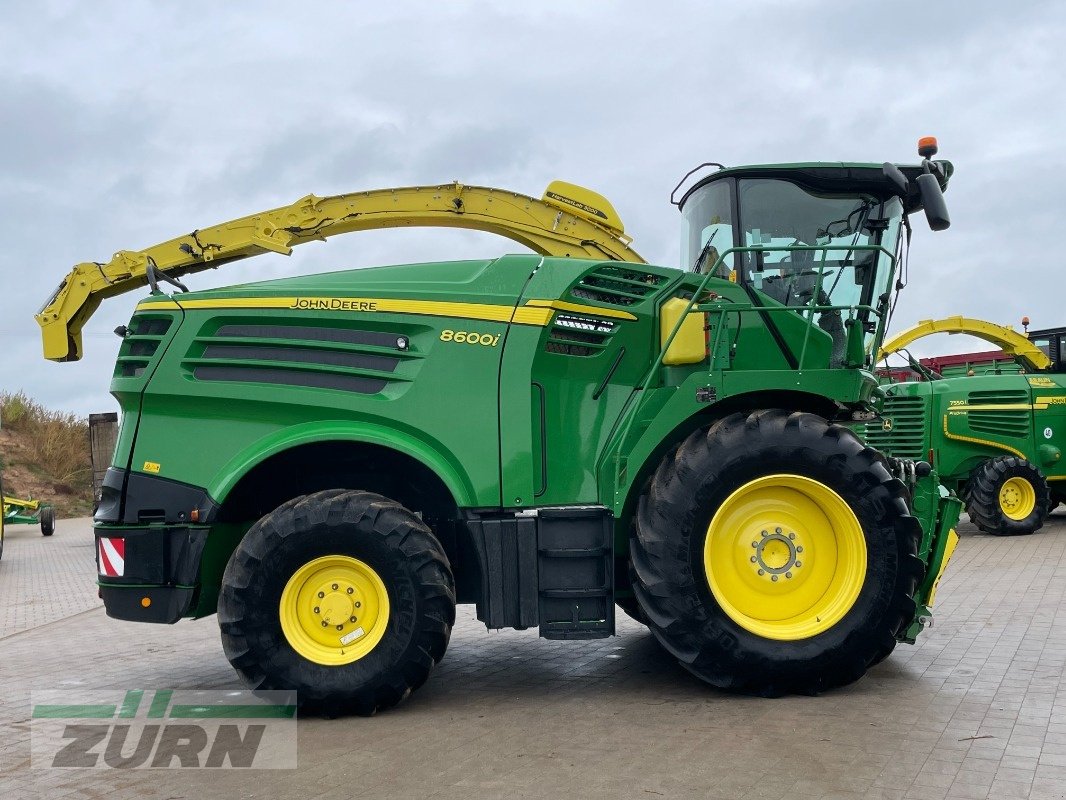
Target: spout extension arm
{"x": 567, "y": 221}
{"x": 1012, "y": 342}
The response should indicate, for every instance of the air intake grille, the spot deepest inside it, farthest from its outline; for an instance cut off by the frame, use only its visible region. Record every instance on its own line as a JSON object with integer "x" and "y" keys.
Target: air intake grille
{"x": 341, "y": 359}
{"x": 998, "y": 397}
{"x": 579, "y": 336}
{"x": 998, "y": 421}
{"x": 145, "y": 332}
{"x": 907, "y": 422}
{"x": 620, "y": 286}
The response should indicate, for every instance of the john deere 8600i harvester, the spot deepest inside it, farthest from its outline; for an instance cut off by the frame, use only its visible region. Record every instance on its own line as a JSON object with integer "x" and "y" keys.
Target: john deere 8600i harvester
{"x": 332, "y": 462}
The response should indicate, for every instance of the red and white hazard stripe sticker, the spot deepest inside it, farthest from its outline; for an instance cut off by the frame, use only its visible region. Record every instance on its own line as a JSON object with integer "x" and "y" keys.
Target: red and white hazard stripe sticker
{"x": 112, "y": 556}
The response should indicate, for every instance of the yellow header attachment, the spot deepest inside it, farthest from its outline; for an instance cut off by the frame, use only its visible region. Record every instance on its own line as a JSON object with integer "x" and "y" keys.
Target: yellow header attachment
{"x": 1012, "y": 342}
{"x": 568, "y": 221}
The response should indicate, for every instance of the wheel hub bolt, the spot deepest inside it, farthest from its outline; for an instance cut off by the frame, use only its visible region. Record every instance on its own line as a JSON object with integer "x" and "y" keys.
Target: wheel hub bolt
{"x": 777, "y": 530}
{"x": 316, "y": 609}
{"x": 754, "y": 544}
{"x": 799, "y": 564}
{"x": 321, "y": 594}
{"x": 765, "y": 533}
{"x": 753, "y": 559}
{"x": 792, "y": 536}
{"x": 773, "y": 578}
{"x": 350, "y": 590}
{"x": 334, "y": 587}
{"x": 799, "y": 548}
{"x": 788, "y": 574}
{"x": 357, "y": 604}
{"x": 761, "y": 572}
{"x": 325, "y": 624}
{"x": 352, "y": 619}
{"x": 340, "y": 627}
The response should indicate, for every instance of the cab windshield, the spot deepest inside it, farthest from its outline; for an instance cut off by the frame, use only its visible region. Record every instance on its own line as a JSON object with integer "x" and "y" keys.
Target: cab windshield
{"x": 812, "y": 244}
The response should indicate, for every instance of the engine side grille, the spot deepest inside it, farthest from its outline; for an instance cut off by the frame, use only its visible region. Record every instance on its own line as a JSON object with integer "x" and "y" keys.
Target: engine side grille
{"x": 140, "y": 344}
{"x": 997, "y": 397}
{"x": 620, "y": 286}
{"x": 907, "y": 421}
{"x": 341, "y": 359}
{"x": 579, "y": 336}
{"x": 1003, "y": 422}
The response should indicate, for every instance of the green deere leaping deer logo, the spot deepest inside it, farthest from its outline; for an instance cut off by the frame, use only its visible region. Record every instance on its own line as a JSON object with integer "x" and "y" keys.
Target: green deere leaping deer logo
{"x": 886, "y": 424}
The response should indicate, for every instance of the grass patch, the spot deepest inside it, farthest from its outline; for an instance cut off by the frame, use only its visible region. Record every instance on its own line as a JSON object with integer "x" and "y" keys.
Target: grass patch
{"x": 56, "y": 443}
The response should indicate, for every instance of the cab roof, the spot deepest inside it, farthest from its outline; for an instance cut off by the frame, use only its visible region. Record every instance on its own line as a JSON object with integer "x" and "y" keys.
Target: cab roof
{"x": 832, "y": 177}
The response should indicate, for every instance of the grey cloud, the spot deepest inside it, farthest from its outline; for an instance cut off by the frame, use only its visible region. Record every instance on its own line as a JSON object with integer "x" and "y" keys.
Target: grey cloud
{"x": 125, "y": 124}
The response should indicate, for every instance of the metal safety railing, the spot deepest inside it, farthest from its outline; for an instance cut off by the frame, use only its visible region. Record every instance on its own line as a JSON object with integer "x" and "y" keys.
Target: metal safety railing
{"x": 723, "y": 311}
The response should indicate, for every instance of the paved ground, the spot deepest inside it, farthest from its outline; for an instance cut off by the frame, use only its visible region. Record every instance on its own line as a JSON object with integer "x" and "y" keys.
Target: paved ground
{"x": 976, "y": 710}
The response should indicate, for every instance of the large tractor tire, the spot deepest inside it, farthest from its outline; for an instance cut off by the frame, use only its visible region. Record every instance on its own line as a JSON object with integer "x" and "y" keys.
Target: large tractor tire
{"x": 344, "y": 596}
{"x": 775, "y": 554}
{"x": 1008, "y": 496}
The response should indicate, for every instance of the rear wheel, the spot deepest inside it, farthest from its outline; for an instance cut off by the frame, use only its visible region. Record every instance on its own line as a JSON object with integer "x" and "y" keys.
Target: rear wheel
{"x": 774, "y": 553}
{"x": 48, "y": 521}
{"x": 1008, "y": 496}
{"x": 344, "y": 596}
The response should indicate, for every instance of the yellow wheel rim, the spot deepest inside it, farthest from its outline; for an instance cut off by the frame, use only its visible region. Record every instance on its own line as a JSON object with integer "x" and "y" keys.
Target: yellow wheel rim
{"x": 334, "y": 610}
{"x": 785, "y": 557}
{"x": 1017, "y": 498}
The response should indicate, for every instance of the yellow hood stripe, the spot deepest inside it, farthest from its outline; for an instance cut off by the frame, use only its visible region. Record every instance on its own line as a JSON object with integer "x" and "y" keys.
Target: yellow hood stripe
{"x": 535, "y": 312}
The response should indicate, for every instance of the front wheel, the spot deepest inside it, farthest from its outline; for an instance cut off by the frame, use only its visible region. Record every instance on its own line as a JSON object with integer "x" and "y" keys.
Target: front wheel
{"x": 345, "y": 597}
{"x": 1008, "y": 496}
{"x": 774, "y": 553}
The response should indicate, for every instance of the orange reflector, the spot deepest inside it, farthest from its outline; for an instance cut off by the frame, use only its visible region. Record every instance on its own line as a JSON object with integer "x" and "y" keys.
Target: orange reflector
{"x": 930, "y": 456}
{"x": 194, "y": 515}
{"x": 146, "y": 601}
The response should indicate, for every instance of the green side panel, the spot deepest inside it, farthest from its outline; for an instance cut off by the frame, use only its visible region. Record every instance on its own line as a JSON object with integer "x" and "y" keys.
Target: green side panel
{"x": 238, "y": 384}
{"x": 582, "y": 369}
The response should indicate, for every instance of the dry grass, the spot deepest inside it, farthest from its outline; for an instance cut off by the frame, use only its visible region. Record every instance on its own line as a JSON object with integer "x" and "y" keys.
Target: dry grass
{"x": 54, "y": 445}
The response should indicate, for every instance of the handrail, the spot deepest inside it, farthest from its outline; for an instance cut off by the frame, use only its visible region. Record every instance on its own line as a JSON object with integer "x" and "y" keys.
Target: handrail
{"x": 639, "y": 392}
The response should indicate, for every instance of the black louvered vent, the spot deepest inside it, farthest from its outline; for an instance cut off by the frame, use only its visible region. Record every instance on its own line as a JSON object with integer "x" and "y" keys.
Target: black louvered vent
{"x": 141, "y": 342}
{"x": 620, "y": 286}
{"x": 578, "y": 336}
{"x": 997, "y": 420}
{"x": 300, "y": 355}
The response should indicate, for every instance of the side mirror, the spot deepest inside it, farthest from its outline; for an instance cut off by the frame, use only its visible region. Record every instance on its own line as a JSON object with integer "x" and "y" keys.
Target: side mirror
{"x": 936, "y": 210}
{"x": 895, "y": 174}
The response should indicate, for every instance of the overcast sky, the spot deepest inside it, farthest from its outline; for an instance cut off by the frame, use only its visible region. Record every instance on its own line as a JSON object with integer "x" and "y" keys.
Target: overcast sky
{"x": 125, "y": 124}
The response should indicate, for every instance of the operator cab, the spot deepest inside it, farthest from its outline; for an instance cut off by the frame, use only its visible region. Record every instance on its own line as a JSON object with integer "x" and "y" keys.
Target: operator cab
{"x": 1053, "y": 342}
{"x": 821, "y": 236}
